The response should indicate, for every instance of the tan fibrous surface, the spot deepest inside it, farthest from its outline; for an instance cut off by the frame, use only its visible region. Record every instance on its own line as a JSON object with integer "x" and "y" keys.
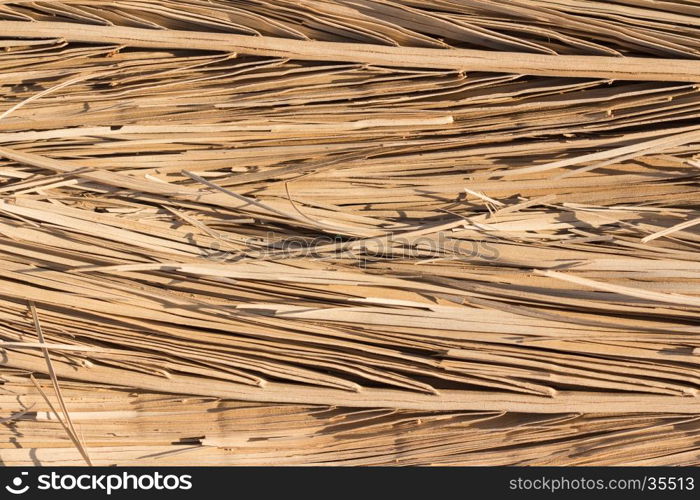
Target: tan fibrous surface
{"x": 353, "y": 232}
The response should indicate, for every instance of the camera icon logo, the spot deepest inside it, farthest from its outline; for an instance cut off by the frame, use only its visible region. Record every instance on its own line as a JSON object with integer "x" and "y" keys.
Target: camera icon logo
{"x": 17, "y": 488}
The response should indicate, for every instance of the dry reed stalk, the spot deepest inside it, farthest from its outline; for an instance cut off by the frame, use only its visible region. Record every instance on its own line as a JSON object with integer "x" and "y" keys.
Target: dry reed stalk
{"x": 627, "y": 68}
{"x": 354, "y": 232}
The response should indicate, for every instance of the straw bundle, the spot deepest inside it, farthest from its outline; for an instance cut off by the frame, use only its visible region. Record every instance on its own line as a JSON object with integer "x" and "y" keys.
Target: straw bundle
{"x": 354, "y": 232}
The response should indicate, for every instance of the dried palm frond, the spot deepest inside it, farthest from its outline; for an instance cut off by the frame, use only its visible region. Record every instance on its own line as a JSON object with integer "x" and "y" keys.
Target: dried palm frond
{"x": 356, "y": 232}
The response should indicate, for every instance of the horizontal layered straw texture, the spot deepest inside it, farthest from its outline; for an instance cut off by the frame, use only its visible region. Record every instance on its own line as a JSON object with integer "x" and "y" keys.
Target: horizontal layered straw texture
{"x": 350, "y": 232}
